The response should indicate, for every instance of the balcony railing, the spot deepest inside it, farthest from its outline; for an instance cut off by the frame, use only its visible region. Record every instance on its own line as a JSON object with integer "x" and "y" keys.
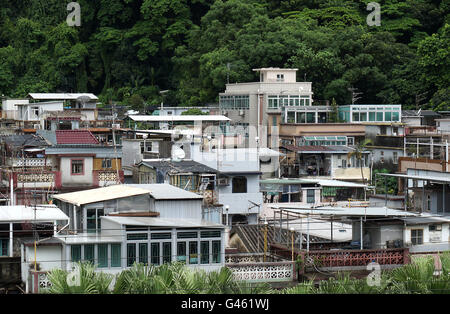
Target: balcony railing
{"x": 105, "y": 178}
{"x": 29, "y": 162}
{"x": 253, "y": 268}
{"x": 352, "y": 258}
{"x": 38, "y": 281}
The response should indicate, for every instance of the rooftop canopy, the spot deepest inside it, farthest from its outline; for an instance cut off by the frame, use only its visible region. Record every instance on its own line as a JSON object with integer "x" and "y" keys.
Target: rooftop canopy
{"x": 21, "y": 213}
{"x": 344, "y": 211}
{"x": 157, "y": 191}
{"x": 316, "y": 181}
{"x": 61, "y": 96}
{"x": 430, "y": 177}
{"x": 99, "y": 195}
{"x": 144, "y": 118}
{"x": 163, "y": 222}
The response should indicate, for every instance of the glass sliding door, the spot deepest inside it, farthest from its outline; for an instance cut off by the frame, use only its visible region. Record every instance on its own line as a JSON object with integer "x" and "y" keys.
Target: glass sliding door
{"x": 167, "y": 252}
{"x": 102, "y": 255}
{"x": 116, "y": 256}
{"x": 89, "y": 253}
{"x": 216, "y": 251}
{"x": 131, "y": 254}
{"x": 154, "y": 247}
{"x": 193, "y": 252}
{"x": 204, "y": 252}
{"x": 181, "y": 252}
{"x": 143, "y": 253}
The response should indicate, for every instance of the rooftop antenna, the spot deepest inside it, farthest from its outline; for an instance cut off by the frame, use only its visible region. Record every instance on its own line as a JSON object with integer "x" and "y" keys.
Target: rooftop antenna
{"x": 114, "y": 115}
{"x": 354, "y": 94}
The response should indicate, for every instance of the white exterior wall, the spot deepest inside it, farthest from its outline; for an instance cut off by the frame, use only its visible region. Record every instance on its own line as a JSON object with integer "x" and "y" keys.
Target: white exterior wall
{"x": 47, "y": 256}
{"x": 443, "y": 126}
{"x": 271, "y": 75}
{"x": 9, "y": 108}
{"x": 191, "y": 209}
{"x": 131, "y": 154}
{"x": 68, "y": 179}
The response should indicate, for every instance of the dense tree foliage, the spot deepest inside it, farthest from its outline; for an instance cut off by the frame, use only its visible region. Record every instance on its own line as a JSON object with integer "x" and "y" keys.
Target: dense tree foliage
{"x": 127, "y": 48}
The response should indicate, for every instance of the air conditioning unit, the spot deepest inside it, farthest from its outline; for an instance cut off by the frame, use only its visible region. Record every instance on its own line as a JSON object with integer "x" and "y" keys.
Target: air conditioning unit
{"x": 241, "y": 112}
{"x": 115, "y": 125}
{"x": 224, "y": 112}
{"x": 205, "y": 180}
{"x": 37, "y": 126}
{"x": 222, "y": 181}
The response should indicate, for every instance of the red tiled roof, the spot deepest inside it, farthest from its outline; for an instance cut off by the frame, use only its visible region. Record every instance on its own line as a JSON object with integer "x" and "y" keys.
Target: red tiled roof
{"x": 75, "y": 137}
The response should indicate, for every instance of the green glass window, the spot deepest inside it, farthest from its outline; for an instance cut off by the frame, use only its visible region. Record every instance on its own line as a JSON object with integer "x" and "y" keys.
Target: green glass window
{"x": 193, "y": 253}
{"x": 137, "y": 236}
{"x": 116, "y": 255}
{"x": 158, "y": 236}
{"x": 204, "y": 252}
{"x": 185, "y": 235}
{"x": 371, "y": 116}
{"x": 102, "y": 252}
{"x": 4, "y": 243}
{"x": 355, "y": 116}
{"x": 301, "y": 116}
{"x": 131, "y": 254}
{"x": 395, "y": 116}
{"x": 93, "y": 219}
{"x": 75, "y": 252}
{"x": 167, "y": 252}
{"x": 387, "y": 116}
{"x": 310, "y": 117}
{"x": 363, "y": 116}
{"x": 181, "y": 251}
{"x": 210, "y": 234}
{"x": 89, "y": 253}
{"x": 143, "y": 253}
{"x": 216, "y": 251}
{"x": 291, "y": 117}
{"x": 154, "y": 253}
{"x": 379, "y": 117}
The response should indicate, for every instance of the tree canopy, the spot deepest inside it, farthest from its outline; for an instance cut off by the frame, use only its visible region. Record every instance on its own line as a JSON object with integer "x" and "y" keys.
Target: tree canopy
{"x": 127, "y": 48}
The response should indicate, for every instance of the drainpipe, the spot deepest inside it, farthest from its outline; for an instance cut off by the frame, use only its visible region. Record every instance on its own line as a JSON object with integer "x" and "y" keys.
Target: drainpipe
{"x": 11, "y": 243}
{"x": 361, "y": 231}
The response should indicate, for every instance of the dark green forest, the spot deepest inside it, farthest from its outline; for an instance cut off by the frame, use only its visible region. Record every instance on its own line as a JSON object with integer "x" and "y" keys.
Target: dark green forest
{"x": 128, "y": 50}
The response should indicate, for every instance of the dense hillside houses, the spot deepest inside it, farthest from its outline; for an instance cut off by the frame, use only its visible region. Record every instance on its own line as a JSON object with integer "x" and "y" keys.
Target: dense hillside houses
{"x": 269, "y": 176}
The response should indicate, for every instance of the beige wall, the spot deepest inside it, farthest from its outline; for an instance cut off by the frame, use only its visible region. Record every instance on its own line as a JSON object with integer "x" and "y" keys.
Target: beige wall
{"x": 324, "y": 129}
{"x": 351, "y": 173}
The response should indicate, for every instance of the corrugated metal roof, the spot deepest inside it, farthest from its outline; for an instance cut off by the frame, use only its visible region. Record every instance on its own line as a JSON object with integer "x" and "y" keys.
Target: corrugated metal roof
{"x": 163, "y": 222}
{"x": 100, "y": 194}
{"x": 420, "y": 177}
{"x": 321, "y": 182}
{"x": 343, "y": 211}
{"x": 24, "y": 140}
{"x": 157, "y": 191}
{"x": 162, "y": 191}
{"x": 178, "y": 166}
{"x": 22, "y": 213}
{"x": 62, "y": 96}
{"x": 85, "y": 238}
{"x": 144, "y": 118}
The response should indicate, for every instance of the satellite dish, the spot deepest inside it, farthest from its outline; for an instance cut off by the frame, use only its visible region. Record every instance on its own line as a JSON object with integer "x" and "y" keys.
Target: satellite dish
{"x": 177, "y": 153}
